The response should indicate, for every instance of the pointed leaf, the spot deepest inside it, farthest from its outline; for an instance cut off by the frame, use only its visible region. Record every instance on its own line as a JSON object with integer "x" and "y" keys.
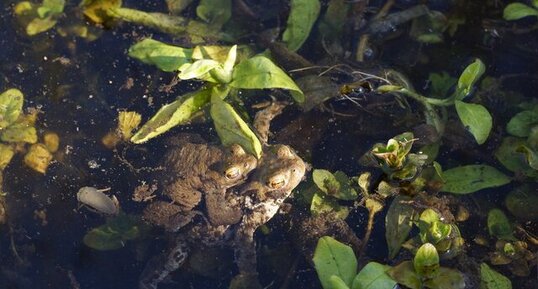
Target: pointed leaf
{"x": 373, "y": 276}
{"x": 476, "y": 119}
{"x": 170, "y": 115}
{"x": 259, "y": 72}
{"x": 472, "y": 178}
{"x": 398, "y": 224}
{"x": 232, "y": 129}
{"x": 11, "y": 102}
{"x": 334, "y": 258}
{"x": 426, "y": 261}
{"x": 165, "y": 57}
{"x": 337, "y": 283}
{"x": 198, "y": 68}
{"x": 491, "y": 279}
{"x": 515, "y": 11}
{"x": 303, "y": 15}
{"x": 468, "y": 78}
{"x": 230, "y": 59}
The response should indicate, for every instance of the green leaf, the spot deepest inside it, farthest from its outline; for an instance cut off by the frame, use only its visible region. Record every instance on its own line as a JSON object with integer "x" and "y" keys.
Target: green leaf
{"x": 198, "y": 69}
{"x": 514, "y": 161}
{"x": 531, "y": 156}
{"x": 522, "y": 202}
{"x": 476, "y": 119}
{"x": 103, "y": 239}
{"x": 232, "y": 129}
{"x": 404, "y": 273}
{"x": 447, "y": 279}
{"x": 38, "y": 25}
{"x": 515, "y": 11}
{"x": 229, "y": 63}
{"x": 398, "y": 224}
{"x": 337, "y": 185}
{"x": 332, "y": 23}
{"x": 491, "y": 279}
{"x": 468, "y": 78}
{"x": 440, "y": 84}
{"x": 499, "y": 226}
{"x": 426, "y": 261}
{"x": 535, "y": 3}
{"x": 19, "y": 132}
{"x": 165, "y": 57}
{"x": 303, "y": 15}
{"x": 334, "y": 258}
{"x": 472, "y": 178}
{"x": 50, "y": 8}
{"x": 97, "y": 10}
{"x": 337, "y": 283}
{"x": 215, "y": 12}
{"x": 521, "y": 124}
{"x": 11, "y": 102}
{"x": 322, "y": 204}
{"x": 259, "y": 72}
{"x": 170, "y": 115}
{"x": 373, "y": 276}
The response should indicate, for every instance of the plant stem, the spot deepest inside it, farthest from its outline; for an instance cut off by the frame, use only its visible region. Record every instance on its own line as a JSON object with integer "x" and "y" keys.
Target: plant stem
{"x": 432, "y": 117}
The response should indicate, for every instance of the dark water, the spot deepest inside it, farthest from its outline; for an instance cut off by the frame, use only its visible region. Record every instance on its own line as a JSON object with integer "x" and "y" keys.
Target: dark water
{"x": 80, "y": 99}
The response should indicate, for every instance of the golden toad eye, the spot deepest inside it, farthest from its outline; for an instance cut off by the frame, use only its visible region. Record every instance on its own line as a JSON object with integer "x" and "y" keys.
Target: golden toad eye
{"x": 232, "y": 173}
{"x": 276, "y": 182}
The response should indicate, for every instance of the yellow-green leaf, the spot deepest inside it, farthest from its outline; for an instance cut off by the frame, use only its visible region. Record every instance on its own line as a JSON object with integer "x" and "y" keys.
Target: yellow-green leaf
{"x": 170, "y": 115}
{"x": 6, "y": 153}
{"x": 11, "y": 102}
{"x": 476, "y": 119}
{"x": 165, "y": 57}
{"x": 19, "y": 132}
{"x": 232, "y": 129}
{"x": 303, "y": 15}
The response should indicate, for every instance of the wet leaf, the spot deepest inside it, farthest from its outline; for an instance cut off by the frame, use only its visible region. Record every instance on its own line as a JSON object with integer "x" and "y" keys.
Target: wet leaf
{"x": 491, "y": 279}
{"x": 317, "y": 89}
{"x": 468, "y": 78}
{"x": 441, "y": 84}
{"x": 303, "y": 15}
{"x": 170, "y": 115}
{"x": 6, "y": 153}
{"x": 373, "y": 276}
{"x": 476, "y": 119}
{"x": 522, "y": 202}
{"x": 472, "y": 178}
{"x": 515, "y": 11}
{"x": 19, "y": 132}
{"x": 522, "y": 123}
{"x": 398, "y": 224}
{"x": 165, "y": 57}
{"x": 447, "y": 279}
{"x": 232, "y": 129}
{"x": 215, "y": 12}
{"x": 322, "y": 203}
{"x": 337, "y": 185}
{"x": 259, "y": 72}
{"x": 426, "y": 261}
{"x": 499, "y": 226}
{"x": 514, "y": 161}
{"x": 11, "y": 102}
{"x": 334, "y": 258}
{"x": 127, "y": 122}
{"x": 97, "y": 10}
{"x": 337, "y": 283}
{"x": 198, "y": 68}
{"x": 38, "y": 158}
{"x": 404, "y": 274}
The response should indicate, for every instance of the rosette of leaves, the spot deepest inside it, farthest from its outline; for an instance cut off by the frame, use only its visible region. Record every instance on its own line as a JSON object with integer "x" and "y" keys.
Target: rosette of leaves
{"x": 17, "y": 129}
{"x": 221, "y": 76}
{"x": 38, "y": 18}
{"x": 444, "y": 236}
{"x": 395, "y": 159}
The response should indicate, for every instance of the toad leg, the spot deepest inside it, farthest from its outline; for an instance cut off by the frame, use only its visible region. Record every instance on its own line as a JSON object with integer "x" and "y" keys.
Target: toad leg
{"x": 160, "y": 267}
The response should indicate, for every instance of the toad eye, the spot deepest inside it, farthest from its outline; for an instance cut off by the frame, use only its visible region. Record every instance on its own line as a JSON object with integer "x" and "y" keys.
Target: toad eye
{"x": 276, "y": 182}
{"x": 232, "y": 173}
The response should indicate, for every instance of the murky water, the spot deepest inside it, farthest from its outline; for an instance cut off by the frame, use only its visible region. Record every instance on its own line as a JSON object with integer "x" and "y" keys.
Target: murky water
{"x": 79, "y": 86}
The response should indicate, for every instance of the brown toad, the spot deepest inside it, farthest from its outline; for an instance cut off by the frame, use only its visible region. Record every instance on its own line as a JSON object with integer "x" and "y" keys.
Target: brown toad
{"x": 194, "y": 172}
{"x": 279, "y": 171}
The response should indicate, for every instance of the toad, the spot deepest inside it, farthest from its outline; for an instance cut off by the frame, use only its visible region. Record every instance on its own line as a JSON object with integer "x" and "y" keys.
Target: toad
{"x": 279, "y": 171}
{"x": 194, "y": 172}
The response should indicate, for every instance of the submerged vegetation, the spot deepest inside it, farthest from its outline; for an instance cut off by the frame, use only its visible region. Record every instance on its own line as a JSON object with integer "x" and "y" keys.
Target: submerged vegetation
{"x": 419, "y": 120}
